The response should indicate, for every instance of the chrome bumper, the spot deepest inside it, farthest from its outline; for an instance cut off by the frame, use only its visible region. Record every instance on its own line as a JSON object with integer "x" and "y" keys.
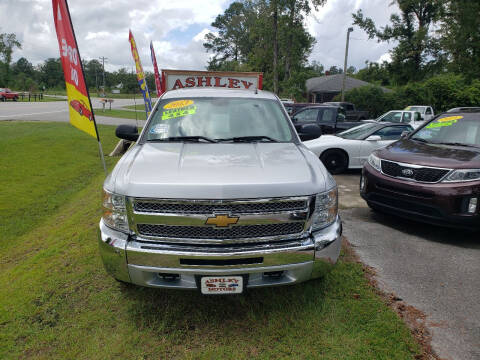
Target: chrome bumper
{"x": 141, "y": 264}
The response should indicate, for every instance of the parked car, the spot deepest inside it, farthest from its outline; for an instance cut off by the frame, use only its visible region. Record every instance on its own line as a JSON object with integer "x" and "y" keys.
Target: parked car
{"x": 218, "y": 189}
{"x": 352, "y": 113}
{"x": 292, "y": 108}
{"x": 426, "y": 111}
{"x": 414, "y": 118}
{"x": 432, "y": 175}
{"x": 6, "y": 94}
{"x": 351, "y": 148}
{"x": 330, "y": 118}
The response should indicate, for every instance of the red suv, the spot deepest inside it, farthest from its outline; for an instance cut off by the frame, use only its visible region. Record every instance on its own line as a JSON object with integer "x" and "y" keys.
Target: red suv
{"x": 431, "y": 175}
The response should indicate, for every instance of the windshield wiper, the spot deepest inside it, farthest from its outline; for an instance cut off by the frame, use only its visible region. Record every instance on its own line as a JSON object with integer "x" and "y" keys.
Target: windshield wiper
{"x": 421, "y": 140}
{"x": 184, "y": 138}
{"x": 249, "y": 138}
{"x": 456, "y": 144}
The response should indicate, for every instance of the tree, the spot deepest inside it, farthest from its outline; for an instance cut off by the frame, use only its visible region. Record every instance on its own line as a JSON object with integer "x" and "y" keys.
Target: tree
{"x": 93, "y": 73}
{"x": 51, "y": 73}
{"x": 8, "y": 42}
{"x": 374, "y": 73}
{"x": 231, "y": 43}
{"x": 460, "y": 36}
{"x": 335, "y": 70}
{"x": 411, "y": 30}
{"x": 267, "y": 36}
{"x": 23, "y": 66}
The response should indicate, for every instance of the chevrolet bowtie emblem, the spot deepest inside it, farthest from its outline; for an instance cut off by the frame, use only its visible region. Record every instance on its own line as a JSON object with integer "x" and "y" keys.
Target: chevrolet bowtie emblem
{"x": 222, "y": 220}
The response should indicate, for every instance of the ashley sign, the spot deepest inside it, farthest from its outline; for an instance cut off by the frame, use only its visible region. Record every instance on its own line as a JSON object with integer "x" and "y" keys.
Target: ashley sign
{"x": 179, "y": 79}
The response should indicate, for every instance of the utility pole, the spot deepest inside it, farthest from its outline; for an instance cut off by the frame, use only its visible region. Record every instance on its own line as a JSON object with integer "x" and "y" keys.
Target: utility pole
{"x": 103, "y": 66}
{"x": 350, "y": 29}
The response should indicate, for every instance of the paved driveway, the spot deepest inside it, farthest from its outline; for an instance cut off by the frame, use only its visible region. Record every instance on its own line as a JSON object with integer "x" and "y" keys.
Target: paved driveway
{"x": 434, "y": 269}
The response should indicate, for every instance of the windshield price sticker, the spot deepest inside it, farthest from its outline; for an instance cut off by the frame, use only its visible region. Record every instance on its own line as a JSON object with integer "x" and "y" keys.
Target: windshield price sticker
{"x": 178, "y": 104}
{"x": 446, "y": 121}
{"x": 218, "y": 285}
{"x": 178, "y": 108}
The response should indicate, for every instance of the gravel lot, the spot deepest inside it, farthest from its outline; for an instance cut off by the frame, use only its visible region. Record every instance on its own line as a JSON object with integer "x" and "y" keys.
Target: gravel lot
{"x": 434, "y": 269}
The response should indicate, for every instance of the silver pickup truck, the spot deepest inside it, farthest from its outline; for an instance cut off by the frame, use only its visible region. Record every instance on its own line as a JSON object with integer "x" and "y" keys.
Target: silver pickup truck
{"x": 218, "y": 194}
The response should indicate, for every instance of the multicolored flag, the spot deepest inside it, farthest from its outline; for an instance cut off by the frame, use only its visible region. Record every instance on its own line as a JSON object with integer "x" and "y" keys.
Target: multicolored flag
{"x": 158, "y": 86}
{"x": 81, "y": 114}
{"x": 142, "y": 82}
{"x": 79, "y": 103}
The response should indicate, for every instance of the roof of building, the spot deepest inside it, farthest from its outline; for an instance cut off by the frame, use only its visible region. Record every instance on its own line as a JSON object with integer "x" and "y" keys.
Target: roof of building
{"x": 333, "y": 83}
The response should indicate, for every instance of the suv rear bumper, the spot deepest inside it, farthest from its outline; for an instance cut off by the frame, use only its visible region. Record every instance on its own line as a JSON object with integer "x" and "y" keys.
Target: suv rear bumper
{"x": 150, "y": 264}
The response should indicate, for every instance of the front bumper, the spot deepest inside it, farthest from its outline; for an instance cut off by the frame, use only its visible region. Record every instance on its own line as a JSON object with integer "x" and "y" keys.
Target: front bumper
{"x": 150, "y": 264}
{"x": 438, "y": 203}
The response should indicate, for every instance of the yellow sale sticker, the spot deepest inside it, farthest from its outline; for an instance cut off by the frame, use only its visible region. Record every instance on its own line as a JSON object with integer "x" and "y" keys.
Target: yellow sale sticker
{"x": 446, "y": 121}
{"x": 178, "y": 104}
{"x": 450, "y": 118}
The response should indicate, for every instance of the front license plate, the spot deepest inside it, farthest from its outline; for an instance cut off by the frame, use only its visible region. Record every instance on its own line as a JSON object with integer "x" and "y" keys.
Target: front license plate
{"x": 220, "y": 285}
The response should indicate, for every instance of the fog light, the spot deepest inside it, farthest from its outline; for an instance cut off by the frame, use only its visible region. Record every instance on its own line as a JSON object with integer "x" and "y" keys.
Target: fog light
{"x": 472, "y": 205}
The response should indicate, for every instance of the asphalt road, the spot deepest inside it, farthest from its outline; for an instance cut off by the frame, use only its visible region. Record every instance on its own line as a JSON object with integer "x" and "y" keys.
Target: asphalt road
{"x": 434, "y": 269}
{"x": 58, "y": 111}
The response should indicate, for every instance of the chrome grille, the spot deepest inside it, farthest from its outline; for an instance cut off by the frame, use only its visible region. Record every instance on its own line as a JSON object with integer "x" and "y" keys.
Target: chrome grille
{"x": 167, "y": 207}
{"x": 207, "y": 232}
{"x": 416, "y": 173}
{"x": 175, "y": 221}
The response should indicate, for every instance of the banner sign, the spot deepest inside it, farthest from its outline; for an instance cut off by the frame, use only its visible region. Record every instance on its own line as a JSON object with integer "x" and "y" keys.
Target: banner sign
{"x": 158, "y": 86}
{"x": 179, "y": 79}
{"x": 80, "y": 108}
{"x": 142, "y": 82}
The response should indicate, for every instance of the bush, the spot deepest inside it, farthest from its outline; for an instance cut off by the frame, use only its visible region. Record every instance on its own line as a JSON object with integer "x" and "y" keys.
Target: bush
{"x": 442, "y": 92}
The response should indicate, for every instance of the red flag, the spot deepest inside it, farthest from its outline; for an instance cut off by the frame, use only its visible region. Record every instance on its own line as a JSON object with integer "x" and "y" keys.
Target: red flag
{"x": 79, "y": 104}
{"x": 158, "y": 85}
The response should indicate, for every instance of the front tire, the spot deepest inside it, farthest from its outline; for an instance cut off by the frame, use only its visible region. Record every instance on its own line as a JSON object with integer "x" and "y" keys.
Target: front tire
{"x": 336, "y": 161}
{"x": 15, "y": 98}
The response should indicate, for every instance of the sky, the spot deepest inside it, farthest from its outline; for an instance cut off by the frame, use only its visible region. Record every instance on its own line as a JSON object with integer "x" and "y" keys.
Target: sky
{"x": 177, "y": 29}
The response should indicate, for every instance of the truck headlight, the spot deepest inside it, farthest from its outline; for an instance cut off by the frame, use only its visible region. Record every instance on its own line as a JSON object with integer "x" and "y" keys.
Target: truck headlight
{"x": 375, "y": 162}
{"x": 114, "y": 211}
{"x": 326, "y": 208}
{"x": 463, "y": 175}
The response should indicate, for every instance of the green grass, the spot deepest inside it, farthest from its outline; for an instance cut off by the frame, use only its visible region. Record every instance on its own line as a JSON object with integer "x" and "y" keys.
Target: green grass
{"x": 118, "y": 113}
{"x": 138, "y": 107}
{"x": 57, "y": 301}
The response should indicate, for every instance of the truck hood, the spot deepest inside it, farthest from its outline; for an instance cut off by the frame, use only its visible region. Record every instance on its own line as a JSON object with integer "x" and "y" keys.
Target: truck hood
{"x": 218, "y": 171}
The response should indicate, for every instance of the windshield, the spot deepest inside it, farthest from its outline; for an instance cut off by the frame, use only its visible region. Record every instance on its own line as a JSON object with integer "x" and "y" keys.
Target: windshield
{"x": 358, "y": 132}
{"x": 219, "y": 118}
{"x": 420, "y": 109}
{"x": 391, "y": 116}
{"x": 459, "y": 129}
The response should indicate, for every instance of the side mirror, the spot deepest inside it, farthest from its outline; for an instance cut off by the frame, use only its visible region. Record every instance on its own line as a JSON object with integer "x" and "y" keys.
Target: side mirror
{"x": 294, "y": 119}
{"x": 308, "y": 131}
{"x": 373, "y": 138}
{"x": 404, "y": 134}
{"x": 127, "y": 132}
